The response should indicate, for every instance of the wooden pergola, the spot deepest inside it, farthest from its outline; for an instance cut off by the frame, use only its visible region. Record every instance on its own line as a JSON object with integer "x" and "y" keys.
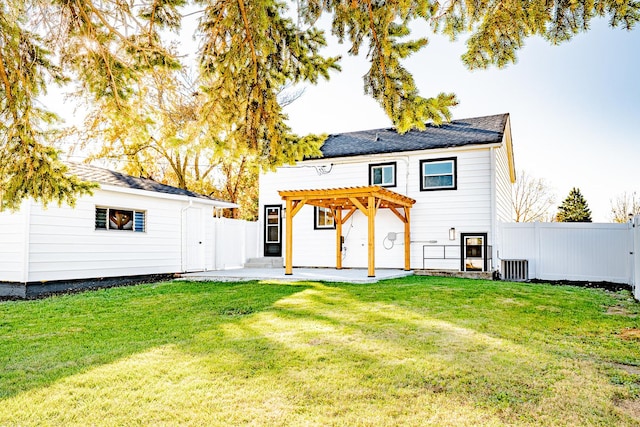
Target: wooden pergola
{"x": 343, "y": 203}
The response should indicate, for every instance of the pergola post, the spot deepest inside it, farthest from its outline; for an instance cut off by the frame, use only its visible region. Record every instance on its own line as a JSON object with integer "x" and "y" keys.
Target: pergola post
{"x": 371, "y": 216}
{"x": 407, "y": 239}
{"x": 337, "y": 216}
{"x": 289, "y": 241}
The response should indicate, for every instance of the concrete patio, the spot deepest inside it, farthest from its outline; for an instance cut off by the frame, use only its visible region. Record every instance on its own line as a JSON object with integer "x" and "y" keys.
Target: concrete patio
{"x": 347, "y": 275}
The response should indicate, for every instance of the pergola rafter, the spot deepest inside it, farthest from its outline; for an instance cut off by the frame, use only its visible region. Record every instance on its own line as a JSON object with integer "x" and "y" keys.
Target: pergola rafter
{"x": 343, "y": 203}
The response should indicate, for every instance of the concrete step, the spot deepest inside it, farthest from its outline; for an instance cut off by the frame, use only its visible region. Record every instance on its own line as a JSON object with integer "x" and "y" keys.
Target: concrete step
{"x": 264, "y": 262}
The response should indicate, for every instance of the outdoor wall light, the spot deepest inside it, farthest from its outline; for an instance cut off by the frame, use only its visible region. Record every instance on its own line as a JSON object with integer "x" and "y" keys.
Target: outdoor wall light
{"x": 452, "y": 233}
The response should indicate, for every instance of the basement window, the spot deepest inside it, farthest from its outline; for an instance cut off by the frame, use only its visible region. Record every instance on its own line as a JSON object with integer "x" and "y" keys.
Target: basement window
{"x": 120, "y": 219}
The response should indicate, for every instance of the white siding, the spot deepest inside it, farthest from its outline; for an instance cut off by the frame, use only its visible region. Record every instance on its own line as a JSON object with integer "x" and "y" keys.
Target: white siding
{"x": 65, "y": 245}
{"x": 504, "y": 206}
{"x": 503, "y": 193}
{"x": 467, "y": 209}
{"x": 13, "y": 244}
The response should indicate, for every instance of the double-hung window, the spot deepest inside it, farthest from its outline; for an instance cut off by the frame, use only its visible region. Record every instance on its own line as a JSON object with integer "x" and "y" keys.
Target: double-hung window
{"x": 323, "y": 218}
{"x": 120, "y": 219}
{"x": 383, "y": 174}
{"x": 438, "y": 174}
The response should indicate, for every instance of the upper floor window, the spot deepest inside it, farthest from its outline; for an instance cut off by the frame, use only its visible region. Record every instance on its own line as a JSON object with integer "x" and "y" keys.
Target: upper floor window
{"x": 120, "y": 219}
{"x": 438, "y": 174}
{"x": 383, "y": 174}
{"x": 323, "y": 218}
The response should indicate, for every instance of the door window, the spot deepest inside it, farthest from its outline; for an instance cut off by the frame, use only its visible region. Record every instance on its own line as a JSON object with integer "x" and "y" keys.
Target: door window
{"x": 473, "y": 251}
{"x": 273, "y": 225}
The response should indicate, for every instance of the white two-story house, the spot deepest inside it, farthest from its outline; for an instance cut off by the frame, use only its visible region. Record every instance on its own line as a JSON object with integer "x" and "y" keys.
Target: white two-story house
{"x": 460, "y": 175}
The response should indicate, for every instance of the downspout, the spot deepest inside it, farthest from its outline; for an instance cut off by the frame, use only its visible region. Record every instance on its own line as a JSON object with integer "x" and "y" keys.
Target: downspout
{"x": 406, "y": 193}
{"x": 183, "y": 237}
{"x": 406, "y": 177}
{"x": 494, "y": 219}
{"x": 27, "y": 243}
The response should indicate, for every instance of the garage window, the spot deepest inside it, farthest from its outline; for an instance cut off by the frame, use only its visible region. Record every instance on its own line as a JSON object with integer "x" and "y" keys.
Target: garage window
{"x": 120, "y": 219}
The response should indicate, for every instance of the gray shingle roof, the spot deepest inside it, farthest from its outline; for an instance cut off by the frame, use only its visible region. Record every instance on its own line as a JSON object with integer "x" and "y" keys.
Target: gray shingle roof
{"x": 108, "y": 177}
{"x": 458, "y": 133}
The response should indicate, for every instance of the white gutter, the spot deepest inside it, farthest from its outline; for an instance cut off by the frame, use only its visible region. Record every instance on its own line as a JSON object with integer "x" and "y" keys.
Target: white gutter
{"x": 396, "y": 154}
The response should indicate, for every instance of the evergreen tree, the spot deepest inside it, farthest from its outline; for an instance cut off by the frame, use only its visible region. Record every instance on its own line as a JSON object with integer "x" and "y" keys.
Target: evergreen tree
{"x": 574, "y": 208}
{"x": 248, "y": 51}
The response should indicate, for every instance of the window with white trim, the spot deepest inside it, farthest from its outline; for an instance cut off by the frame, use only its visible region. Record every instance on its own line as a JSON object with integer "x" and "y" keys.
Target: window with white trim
{"x": 438, "y": 174}
{"x": 323, "y": 218}
{"x": 383, "y": 174}
{"x": 120, "y": 219}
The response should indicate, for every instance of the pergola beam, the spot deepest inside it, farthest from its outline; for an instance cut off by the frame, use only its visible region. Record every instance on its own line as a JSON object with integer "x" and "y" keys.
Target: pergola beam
{"x": 398, "y": 214}
{"x": 359, "y": 205}
{"x": 297, "y": 205}
{"x": 347, "y": 216}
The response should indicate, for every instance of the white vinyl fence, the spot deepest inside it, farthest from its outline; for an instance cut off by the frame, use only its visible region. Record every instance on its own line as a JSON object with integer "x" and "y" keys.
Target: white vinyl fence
{"x": 549, "y": 251}
{"x": 572, "y": 251}
{"x": 636, "y": 257}
{"x": 235, "y": 242}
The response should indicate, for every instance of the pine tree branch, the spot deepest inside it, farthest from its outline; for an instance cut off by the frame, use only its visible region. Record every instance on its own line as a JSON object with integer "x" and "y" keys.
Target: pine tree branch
{"x": 101, "y": 49}
{"x": 7, "y": 86}
{"x": 102, "y": 19}
{"x": 377, "y": 43}
{"x": 216, "y": 23}
{"x": 152, "y": 21}
{"x": 247, "y": 27}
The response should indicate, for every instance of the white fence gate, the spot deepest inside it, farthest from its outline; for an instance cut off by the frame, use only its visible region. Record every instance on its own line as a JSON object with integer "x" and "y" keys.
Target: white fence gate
{"x": 573, "y": 251}
{"x": 235, "y": 242}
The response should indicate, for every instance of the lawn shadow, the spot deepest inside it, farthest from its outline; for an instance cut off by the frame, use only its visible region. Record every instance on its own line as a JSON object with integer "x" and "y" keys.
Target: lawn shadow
{"x": 390, "y": 347}
{"x": 42, "y": 341}
{"x": 303, "y": 354}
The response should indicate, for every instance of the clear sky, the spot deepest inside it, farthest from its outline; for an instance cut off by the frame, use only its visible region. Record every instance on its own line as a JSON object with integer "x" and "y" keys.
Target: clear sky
{"x": 575, "y": 108}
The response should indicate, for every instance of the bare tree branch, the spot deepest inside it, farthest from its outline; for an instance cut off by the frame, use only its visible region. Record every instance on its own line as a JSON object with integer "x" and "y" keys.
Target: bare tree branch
{"x": 532, "y": 199}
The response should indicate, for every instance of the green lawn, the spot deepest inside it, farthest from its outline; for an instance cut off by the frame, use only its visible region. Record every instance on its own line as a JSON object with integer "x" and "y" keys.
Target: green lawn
{"x": 413, "y": 351}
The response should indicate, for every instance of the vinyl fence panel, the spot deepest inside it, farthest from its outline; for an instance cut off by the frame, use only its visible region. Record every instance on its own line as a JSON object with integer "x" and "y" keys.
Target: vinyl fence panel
{"x": 236, "y": 241}
{"x": 571, "y": 251}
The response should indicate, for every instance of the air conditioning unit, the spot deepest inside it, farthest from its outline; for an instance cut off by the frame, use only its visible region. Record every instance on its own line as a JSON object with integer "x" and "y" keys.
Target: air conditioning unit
{"x": 515, "y": 270}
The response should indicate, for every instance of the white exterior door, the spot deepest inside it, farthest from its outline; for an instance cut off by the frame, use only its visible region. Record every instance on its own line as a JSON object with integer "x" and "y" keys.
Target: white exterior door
{"x": 474, "y": 252}
{"x": 194, "y": 238}
{"x": 273, "y": 230}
